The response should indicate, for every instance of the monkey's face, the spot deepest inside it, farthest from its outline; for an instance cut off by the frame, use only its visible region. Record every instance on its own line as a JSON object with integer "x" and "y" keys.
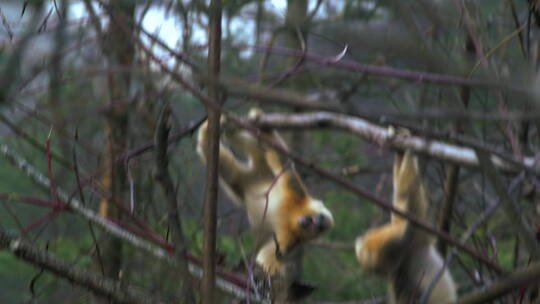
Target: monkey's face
{"x": 312, "y": 220}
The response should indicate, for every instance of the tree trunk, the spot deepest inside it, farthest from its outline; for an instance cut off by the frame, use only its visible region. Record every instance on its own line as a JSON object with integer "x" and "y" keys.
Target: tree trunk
{"x": 211, "y": 187}
{"x": 119, "y": 50}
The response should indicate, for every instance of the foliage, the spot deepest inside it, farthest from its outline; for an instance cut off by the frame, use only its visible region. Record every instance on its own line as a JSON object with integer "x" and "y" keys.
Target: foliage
{"x": 496, "y": 109}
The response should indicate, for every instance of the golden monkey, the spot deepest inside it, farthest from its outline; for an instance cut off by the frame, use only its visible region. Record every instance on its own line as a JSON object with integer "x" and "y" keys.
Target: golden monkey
{"x": 401, "y": 252}
{"x": 270, "y": 189}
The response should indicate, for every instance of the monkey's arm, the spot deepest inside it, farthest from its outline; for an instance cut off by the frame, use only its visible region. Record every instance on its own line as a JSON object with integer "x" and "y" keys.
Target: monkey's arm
{"x": 276, "y": 251}
{"x": 268, "y": 259}
{"x": 379, "y": 250}
{"x": 375, "y": 250}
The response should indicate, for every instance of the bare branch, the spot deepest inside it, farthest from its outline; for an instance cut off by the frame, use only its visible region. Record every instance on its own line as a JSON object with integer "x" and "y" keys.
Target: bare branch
{"x": 279, "y": 96}
{"x": 386, "y": 71}
{"x": 116, "y": 291}
{"x": 165, "y": 180}
{"x": 223, "y": 282}
{"x": 176, "y": 135}
{"x": 32, "y": 141}
{"x": 378, "y": 134}
{"x": 512, "y": 282}
{"x": 76, "y": 206}
{"x": 10, "y": 72}
{"x": 515, "y": 218}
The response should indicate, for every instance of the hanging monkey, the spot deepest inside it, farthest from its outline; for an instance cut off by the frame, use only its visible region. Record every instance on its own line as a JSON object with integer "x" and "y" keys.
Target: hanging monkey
{"x": 267, "y": 185}
{"x": 401, "y": 252}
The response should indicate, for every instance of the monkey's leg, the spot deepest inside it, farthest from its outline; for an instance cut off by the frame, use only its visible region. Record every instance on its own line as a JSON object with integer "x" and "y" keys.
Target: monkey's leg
{"x": 232, "y": 171}
{"x": 259, "y": 155}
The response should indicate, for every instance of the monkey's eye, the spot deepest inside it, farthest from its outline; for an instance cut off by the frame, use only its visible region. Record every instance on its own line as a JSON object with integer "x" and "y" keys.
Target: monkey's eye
{"x": 306, "y": 221}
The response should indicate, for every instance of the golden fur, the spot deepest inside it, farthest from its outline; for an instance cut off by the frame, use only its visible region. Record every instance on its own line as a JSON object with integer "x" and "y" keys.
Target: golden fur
{"x": 402, "y": 253}
{"x": 271, "y": 191}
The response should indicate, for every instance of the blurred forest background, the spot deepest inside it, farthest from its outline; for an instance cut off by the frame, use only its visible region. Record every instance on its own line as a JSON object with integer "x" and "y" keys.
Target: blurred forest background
{"x": 89, "y": 189}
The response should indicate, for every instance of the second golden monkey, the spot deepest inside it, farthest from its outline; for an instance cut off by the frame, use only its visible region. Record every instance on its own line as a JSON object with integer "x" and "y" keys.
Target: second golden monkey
{"x": 404, "y": 254}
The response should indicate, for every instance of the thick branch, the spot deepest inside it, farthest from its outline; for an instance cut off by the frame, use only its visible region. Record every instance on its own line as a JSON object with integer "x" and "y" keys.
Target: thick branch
{"x": 517, "y": 279}
{"x": 116, "y": 291}
{"x": 378, "y": 134}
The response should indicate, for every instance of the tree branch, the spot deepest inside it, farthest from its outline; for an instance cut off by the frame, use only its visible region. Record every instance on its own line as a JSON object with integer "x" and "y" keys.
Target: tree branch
{"x": 386, "y": 71}
{"x": 101, "y": 285}
{"x": 374, "y": 133}
{"x": 167, "y": 185}
{"x": 223, "y": 282}
{"x": 514, "y": 215}
{"x": 517, "y": 279}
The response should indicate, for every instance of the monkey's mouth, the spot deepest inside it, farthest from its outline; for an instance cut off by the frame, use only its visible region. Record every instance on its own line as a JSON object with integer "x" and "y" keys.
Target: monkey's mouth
{"x": 321, "y": 227}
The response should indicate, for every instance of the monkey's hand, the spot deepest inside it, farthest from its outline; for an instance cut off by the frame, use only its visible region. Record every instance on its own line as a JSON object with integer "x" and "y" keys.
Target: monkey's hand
{"x": 228, "y": 129}
{"x": 367, "y": 253}
{"x": 269, "y": 261}
{"x": 255, "y": 113}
